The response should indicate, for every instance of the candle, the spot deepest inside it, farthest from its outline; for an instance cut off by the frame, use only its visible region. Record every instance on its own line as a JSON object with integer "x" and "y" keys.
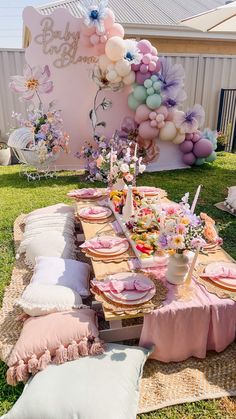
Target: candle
{"x": 135, "y": 150}
{"x": 192, "y": 266}
{"x": 111, "y": 164}
{"x": 195, "y": 198}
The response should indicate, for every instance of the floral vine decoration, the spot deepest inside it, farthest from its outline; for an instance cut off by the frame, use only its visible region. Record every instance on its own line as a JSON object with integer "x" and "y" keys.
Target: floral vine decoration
{"x": 46, "y": 124}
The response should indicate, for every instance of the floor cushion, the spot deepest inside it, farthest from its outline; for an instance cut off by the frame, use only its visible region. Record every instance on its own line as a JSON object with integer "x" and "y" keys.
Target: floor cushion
{"x": 39, "y": 299}
{"x": 57, "y": 338}
{"x": 101, "y": 387}
{"x": 67, "y": 272}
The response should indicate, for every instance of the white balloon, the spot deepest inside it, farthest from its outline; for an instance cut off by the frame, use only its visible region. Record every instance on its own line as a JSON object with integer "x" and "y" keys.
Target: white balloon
{"x": 179, "y": 138}
{"x": 123, "y": 67}
{"x": 111, "y": 75}
{"x": 168, "y": 132}
{"x": 118, "y": 79}
{"x": 111, "y": 67}
{"x": 103, "y": 62}
{"x": 130, "y": 79}
{"x": 115, "y": 48}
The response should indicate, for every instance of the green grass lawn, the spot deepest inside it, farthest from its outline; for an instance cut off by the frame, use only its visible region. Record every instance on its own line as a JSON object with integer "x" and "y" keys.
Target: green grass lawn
{"x": 19, "y": 196}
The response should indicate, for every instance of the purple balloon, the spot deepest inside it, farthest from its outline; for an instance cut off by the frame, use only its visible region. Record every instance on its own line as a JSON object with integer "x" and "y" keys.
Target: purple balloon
{"x": 203, "y": 148}
{"x": 135, "y": 67}
{"x": 186, "y": 146}
{"x": 140, "y": 78}
{"x": 145, "y": 46}
{"x": 196, "y": 137}
{"x": 189, "y": 158}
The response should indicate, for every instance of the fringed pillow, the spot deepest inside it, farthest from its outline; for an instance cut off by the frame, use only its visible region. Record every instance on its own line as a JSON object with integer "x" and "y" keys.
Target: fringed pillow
{"x": 54, "y": 338}
{"x": 67, "y": 272}
{"x": 56, "y": 209}
{"x": 38, "y": 299}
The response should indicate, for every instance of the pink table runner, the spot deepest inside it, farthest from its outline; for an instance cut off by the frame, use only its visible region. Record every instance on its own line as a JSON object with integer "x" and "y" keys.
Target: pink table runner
{"x": 181, "y": 329}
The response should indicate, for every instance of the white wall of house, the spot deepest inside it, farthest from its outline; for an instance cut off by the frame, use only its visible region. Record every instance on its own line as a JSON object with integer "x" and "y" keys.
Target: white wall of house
{"x": 205, "y": 76}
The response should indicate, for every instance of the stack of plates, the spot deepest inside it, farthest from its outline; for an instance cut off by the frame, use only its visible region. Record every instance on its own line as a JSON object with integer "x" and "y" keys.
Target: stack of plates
{"x": 111, "y": 251}
{"x": 100, "y": 213}
{"x": 214, "y": 268}
{"x": 131, "y": 297}
{"x": 89, "y": 193}
{"x": 151, "y": 191}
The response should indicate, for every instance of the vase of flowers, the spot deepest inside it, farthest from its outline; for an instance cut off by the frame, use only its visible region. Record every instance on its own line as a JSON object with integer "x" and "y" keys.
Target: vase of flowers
{"x": 179, "y": 230}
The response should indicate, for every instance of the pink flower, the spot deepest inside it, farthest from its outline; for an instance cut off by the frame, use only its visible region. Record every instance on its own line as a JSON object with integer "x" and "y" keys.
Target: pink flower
{"x": 129, "y": 177}
{"x": 44, "y": 128}
{"x": 198, "y": 242}
{"x": 181, "y": 229}
{"x": 35, "y": 80}
{"x": 56, "y": 149}
{"x": 171, "y": 210}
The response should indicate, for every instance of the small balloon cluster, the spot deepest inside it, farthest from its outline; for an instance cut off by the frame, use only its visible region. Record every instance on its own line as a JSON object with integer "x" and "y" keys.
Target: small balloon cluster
{"x": 157, "y": 87}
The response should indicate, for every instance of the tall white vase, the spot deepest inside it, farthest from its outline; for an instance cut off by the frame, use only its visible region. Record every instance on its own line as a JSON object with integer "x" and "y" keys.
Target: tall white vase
{"x": 128, "y": 209}
{"x": 177, "y": 268}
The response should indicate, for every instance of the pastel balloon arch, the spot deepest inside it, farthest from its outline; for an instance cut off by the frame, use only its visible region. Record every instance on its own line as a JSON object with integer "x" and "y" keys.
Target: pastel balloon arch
{"x": 157, "y": 88}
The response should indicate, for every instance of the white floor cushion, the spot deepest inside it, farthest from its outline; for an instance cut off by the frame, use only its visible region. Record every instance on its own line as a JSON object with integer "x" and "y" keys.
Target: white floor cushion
{"x": 38, "y": 299}
{"x": 66, "y": 272}
{"x": 101, "y": 387}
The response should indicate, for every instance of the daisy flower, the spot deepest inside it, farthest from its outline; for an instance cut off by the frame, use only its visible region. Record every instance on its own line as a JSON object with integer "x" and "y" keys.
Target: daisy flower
{"x": 94, "y": 12}
{"x": 132, "y": 53}
{"x": 177, "y": 242}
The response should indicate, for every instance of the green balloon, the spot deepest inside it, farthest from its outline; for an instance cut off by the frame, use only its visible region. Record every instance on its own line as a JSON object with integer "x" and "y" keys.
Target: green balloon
{"x": 150, "y": 91}
{"x": 132, "y": 102}
{"x": 148, "y": 83}
{"x": 153, "y": 101}
{"x": 154, "y": 78}
{"x": 157, "y": 86}
{"x": 200, "y": 161}
{"x": 212, "y": 157}
{"x": 140, "y": 93}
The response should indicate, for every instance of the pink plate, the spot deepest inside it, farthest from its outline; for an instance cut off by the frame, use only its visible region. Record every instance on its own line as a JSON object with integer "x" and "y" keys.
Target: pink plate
{"x": 105, "y": 212}
{"x": 214, "y": 267}
{"x": 150, "y": 294}
{"x": 133, "y": 295}
{"x": 115, "y": 250}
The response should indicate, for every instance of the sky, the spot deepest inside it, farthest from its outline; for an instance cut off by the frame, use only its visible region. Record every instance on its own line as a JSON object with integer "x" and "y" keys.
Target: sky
{"x": 11, "y": 21}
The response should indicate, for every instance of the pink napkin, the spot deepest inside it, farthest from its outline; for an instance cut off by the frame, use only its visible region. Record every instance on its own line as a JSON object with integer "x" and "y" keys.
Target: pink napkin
{"x": 222, "y": 273}
{"x": 119, "y": 286}
{"x": 103, "y": 242}
{"x": 94, "y": 210}
{"x": 83, "y": 192}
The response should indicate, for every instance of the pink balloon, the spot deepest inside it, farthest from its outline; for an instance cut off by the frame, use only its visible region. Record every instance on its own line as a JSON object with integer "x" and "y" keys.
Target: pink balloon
{"x": 155, "y": 58}
{"x": 146, "y": 58}
{"x": 189, "y": 137}
{"x": 153, "y": 123}
{"x": 152, "y": 66}
{"x": 186, "y": 146}
{"x": 162, "y": 110}
{"x": 116, "y": 30}
{"x": 109, "y": 19}
{"x": 145, "y": 46}
{"x": 142, "y": 113}
{"x": 103, "y": 39}
{"x": 189, "y": 158}
{"x": 158, "y": 66}
{"x": 196, "y": 137}
{"x": 154, "y": 51}
{"x": 87, "y": 30}
{"x": 135, "y": 67}
{"x": 203, "y": 148}
{"x": 144, "y": 68}
{"x": 140, "y": 78}
{"x": 146, "y": 131}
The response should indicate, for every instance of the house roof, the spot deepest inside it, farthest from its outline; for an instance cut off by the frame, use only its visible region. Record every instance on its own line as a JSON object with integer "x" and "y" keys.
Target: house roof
{"x": 144, "y": 12}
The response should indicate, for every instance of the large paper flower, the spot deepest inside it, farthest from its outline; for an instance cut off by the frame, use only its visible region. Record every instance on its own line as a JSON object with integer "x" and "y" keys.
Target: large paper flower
{"x": 34, "y": 81}
{"x": 132, "y": 53}
{"x": 189, "y": 121}
{"x": 94, "y": 12}
{"x": 171, "y": 77}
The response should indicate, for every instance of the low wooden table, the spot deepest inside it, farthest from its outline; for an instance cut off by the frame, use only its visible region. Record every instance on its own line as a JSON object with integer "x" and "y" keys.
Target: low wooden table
{"x": 102, "y": 270}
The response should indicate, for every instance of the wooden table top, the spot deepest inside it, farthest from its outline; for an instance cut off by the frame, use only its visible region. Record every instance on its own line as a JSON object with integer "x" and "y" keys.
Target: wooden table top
{"x": 103, "y": 269}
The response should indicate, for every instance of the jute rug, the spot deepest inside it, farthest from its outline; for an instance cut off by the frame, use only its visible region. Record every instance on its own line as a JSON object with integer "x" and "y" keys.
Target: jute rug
{"x": 162, "y": 384}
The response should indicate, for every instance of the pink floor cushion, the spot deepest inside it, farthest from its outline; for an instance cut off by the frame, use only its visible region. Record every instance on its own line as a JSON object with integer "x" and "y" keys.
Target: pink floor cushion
{"x": 53, "y": 338}
{"x": 66, "y": 272}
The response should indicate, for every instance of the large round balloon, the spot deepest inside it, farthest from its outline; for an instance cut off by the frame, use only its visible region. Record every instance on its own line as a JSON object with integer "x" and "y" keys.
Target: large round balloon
{"x": 132, "y": 102}
{"x": 179, "y": 139}
{"x": 168, "y": 132}
{"x": 189, "y": 158}
{"x": 153, "y": 101}
{"x": 115, "y": 48}
{"x": 202, "y": 148}
{"x": 116, "y": 30}
{"x": 142, "y": 113}
{"x": 123, "y": 67}
{"x": 146, "y": 131}
{"x": 109, "y": 19}
{"x": 140, "y": 93}
{"x": 186, "y": 146}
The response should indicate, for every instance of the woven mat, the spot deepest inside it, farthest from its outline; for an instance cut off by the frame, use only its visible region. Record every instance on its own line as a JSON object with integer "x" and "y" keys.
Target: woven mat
{"x": 211, "y": 287}
{"x": 162, "y": 384}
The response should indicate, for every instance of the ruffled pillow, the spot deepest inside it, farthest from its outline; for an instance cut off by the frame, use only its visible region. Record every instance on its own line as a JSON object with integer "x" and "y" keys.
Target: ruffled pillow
{"x": 67, "y": 272}
{"x": 38, "y": 300}
{"x": 54, "y": 338}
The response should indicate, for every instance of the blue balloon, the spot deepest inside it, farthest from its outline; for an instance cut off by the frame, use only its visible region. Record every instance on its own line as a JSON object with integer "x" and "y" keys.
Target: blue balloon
{"x": 132, "y": 102}
{"x": 200, "y": 161}
{"x": 212, "y": 157}
{"x": 153, "y": 101}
